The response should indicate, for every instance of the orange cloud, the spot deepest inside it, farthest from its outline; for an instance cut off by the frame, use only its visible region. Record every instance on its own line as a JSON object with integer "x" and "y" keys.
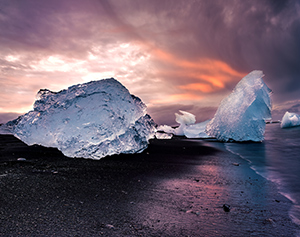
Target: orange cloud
{"x": 208, "y": 64}
{"x": 215, "y": 72}
{"x": 176, "y": 98}
{"x": 198, "y": 87}
{"x": 209, "y": 75}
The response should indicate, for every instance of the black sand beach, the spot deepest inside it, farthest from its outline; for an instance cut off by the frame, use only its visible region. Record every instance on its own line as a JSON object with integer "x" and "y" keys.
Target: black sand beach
{"x": 174, "y": 188}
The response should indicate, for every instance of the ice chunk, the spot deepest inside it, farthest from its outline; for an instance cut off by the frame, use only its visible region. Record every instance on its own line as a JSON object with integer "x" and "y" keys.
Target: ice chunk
{"x": 5, "y": 129}
{"x": 196, "y": 130}
{"x": 184, "y": 119}
{"x": 9, "y": 126}
{"x": 241, "y": 116}
{"x": 187, "y": 126}
{"x": 166, "y": 129}
{"x": 290, "y": 120}
{"x": 90, "y": 120}
{"x": 160, "y": 135}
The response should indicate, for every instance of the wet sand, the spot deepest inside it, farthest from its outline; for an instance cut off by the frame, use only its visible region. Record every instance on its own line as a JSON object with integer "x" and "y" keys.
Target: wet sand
{"x": 174, "y": 188}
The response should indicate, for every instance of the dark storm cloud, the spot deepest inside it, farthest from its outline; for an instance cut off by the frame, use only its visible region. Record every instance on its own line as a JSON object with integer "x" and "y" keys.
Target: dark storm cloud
{"x": 247, "y": 35}
{"x": 55, "y": 26}
{"x": 69, "y": 28}
{"x": 260, "y": 35}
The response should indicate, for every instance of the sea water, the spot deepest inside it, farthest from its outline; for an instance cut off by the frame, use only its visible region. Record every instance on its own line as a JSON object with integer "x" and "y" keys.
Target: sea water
{"x": 277, "y": 158}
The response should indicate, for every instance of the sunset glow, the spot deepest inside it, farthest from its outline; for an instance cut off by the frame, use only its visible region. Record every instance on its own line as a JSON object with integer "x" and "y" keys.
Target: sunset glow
{"x": 214, "y": 72}
{"x": 176, "y": 98}
{"x": 166, "y": 53}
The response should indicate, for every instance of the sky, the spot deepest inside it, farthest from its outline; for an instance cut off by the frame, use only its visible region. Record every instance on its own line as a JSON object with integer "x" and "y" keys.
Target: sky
{"x": 174, "y": 55}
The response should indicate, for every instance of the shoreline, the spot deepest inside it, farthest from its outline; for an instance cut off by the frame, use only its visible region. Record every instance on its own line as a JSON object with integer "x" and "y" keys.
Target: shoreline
{"x": 294, "y": 209}
{"x": 175, "y": 187}
{"x": 276, "y": 160}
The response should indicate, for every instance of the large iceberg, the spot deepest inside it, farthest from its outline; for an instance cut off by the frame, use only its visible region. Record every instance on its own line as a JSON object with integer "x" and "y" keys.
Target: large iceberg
{"x": 290, "y": 120}
{"x": 90, "y": 120}
{"x": 241, "y": 116}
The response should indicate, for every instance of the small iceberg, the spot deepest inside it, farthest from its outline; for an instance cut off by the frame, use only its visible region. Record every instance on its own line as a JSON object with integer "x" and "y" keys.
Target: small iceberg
{"x": 187, "y": 126}
{"x": 163, "y": 136}
{"x": 290, "y": 120}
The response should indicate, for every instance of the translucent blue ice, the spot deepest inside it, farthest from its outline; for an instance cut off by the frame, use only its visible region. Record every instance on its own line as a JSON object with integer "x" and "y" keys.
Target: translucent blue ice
{"x": 241, "y": 115}
{"x": 90, "y": 120}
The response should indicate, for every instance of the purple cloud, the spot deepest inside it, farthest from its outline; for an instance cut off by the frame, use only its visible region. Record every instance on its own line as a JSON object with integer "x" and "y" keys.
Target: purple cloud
{"x": 178, "y": 53}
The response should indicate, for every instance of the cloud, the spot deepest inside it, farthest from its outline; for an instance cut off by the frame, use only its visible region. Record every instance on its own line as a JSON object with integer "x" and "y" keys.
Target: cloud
{"x": 166, "y": 52}
{"x": 244, "y": 35}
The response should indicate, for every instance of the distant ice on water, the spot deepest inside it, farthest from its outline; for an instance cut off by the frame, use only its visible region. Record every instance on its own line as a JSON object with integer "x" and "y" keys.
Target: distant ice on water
{"x": 290, "y": 120}
{"x": 5, "y": 130}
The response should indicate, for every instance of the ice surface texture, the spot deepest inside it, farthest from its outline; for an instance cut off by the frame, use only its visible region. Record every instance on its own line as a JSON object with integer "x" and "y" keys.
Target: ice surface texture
{"x": 184, "y": 119}
{"x": 290, "y": 120}
{"x": 241, "y": 116}
{"x": 196, "y": 130}
{"x": 90, "y": 120}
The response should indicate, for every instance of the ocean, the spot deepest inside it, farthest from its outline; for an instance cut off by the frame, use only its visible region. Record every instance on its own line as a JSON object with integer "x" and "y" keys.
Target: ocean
{"x": 277, "y": 159}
